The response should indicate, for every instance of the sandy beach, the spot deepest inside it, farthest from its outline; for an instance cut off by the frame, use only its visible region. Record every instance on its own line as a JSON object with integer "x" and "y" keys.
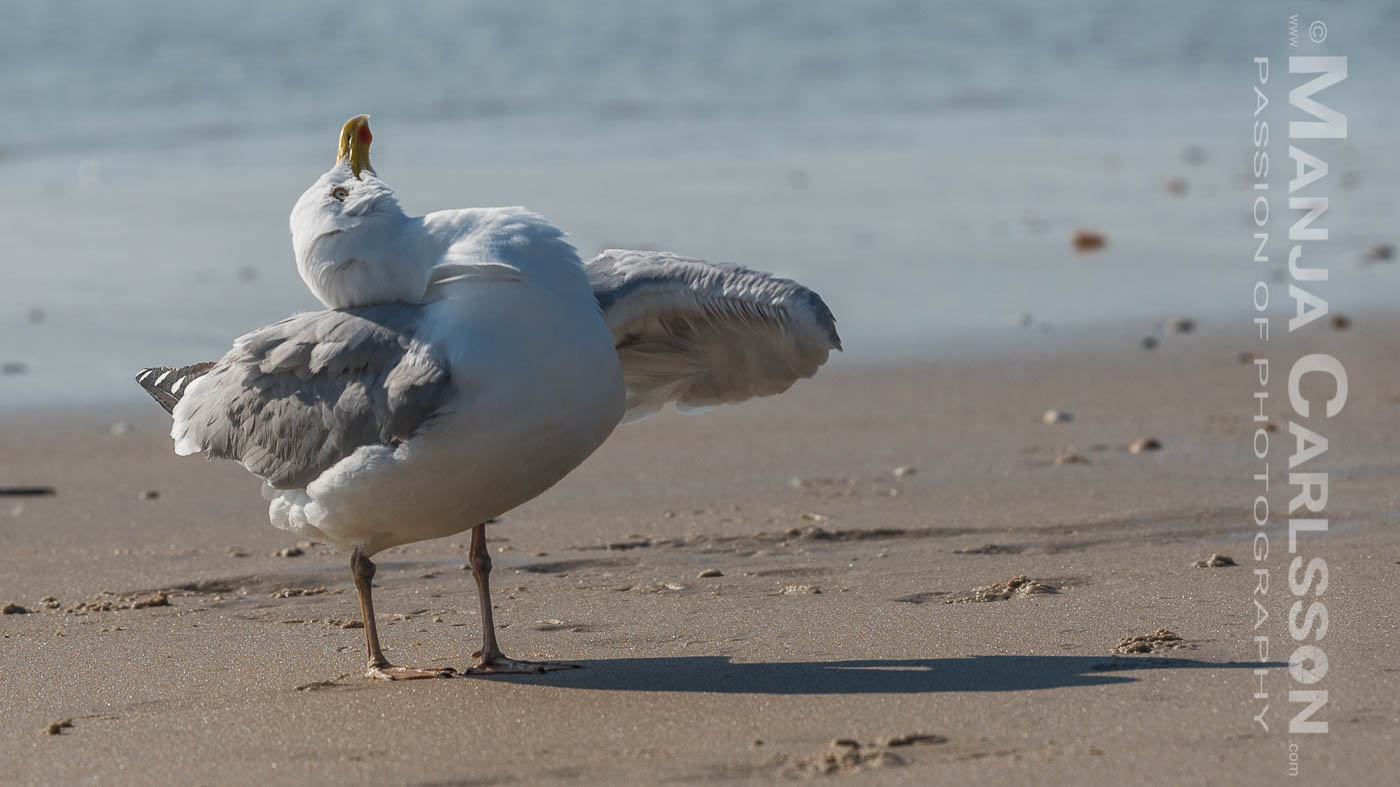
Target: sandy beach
{"x": 1006, "y": 537}
{"x": 850, "y": 633}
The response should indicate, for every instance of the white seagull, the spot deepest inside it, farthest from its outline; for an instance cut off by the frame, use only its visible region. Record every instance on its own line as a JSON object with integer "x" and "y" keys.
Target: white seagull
{"x": 466, "y": 362}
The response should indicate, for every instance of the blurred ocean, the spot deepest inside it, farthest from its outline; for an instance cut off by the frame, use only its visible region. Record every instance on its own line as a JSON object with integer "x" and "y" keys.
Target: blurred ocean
{"x": 922, "y": 165}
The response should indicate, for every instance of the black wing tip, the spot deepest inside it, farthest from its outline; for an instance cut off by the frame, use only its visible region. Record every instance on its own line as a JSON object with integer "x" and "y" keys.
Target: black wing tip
{"x": 825, "y": 319}
{"x": 165, "y": 383}
{"x": 146, "y": 379}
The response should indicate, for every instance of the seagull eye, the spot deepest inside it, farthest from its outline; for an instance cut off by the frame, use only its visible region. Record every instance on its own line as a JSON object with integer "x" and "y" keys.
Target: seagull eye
{"x": 340, "y": 193}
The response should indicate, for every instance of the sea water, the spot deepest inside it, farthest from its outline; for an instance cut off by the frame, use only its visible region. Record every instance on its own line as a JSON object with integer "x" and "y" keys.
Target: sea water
{"x": 922, "y": 165}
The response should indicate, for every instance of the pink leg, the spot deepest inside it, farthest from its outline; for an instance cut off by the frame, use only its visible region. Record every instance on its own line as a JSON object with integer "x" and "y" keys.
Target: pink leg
{"x": 490, "y": 659}
{"x": 379, "y": 667}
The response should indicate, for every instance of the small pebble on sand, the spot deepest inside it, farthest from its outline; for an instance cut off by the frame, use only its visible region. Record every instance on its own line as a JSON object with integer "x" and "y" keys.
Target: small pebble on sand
{"x": 290, "y": 552}
{"x": 1017, "y": 587}
{"x": 295, "y": 592}
{"x": 1162, "y": 639}
{"x": 904, "y": 470}
{"x": 842, "y": 756}
{"x": 1340, "y": 322}
{"x": 27, "y": 491}
{"x": 1070, "y": 459}
{"x": 58, "y": 727}
{"x": 149, "y": 494}
{"x": 1380, "y": 252}
{"x": 1144, "y": 444}
{"x": 1056, "y": 417}
{"x": 912, "y": 738}
{"x": 1180, "y": 325}
{"x": 13, "y": 609}
{"x": 710, "y": 572}
{"x": 1216, "y": 561}
{"x": 1086, "y": 241}
{"x": 987, "y": 549}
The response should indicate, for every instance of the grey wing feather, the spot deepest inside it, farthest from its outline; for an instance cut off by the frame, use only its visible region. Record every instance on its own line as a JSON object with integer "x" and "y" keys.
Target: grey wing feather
{"x": 292, "y": 399}
{"x": 701, "y": 334}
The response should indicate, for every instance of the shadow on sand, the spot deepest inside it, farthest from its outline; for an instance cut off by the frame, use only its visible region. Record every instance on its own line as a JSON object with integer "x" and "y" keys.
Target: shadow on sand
{"x": 873, "y": 676}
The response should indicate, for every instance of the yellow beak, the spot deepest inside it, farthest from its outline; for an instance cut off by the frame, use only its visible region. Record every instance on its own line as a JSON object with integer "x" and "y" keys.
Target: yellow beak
{"x": 354, "y": 144}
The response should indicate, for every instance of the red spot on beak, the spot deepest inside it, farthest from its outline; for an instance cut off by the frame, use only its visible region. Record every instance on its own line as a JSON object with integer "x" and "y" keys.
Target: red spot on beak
{"x": 364, "y": 135}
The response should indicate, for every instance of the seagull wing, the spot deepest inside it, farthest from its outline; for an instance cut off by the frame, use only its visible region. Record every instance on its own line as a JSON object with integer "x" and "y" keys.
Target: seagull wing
{"x": 294, "y": 398}
{"x": 702, "y": 334}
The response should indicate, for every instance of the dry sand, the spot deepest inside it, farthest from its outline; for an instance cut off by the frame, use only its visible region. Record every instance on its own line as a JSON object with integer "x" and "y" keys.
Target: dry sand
{"x": 825, "y": 648}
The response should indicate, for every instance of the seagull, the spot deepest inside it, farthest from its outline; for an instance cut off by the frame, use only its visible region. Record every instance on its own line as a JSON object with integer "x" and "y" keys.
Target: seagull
{"x": 467, "y": 360}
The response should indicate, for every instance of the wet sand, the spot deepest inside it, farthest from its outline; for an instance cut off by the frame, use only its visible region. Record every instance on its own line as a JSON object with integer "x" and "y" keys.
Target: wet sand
{"x": 826, "y": 646}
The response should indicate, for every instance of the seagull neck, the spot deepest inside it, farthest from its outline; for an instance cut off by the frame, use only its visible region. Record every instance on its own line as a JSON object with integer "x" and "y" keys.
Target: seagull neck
{"x": 376, "y": 261}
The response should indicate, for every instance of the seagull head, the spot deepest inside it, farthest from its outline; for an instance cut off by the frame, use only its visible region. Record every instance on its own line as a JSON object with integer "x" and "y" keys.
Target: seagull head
{"x": 345, "y": 227}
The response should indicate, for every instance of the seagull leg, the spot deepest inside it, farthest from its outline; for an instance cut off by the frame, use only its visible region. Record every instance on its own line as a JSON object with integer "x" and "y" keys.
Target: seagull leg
{"x": 379, "y": 667}
{"x": 491, "y": 660}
